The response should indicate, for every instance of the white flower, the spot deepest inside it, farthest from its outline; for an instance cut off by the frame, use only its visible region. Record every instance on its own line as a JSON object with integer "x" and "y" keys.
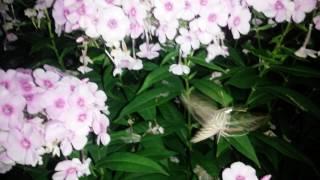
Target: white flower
{"x": 189, "y": 11}
{"x": 304, "y": 53}
{"x": 167, "y": 30}
{"x": 239, "y": 171}
{"x": 187, "y": 41}
{"x": 179, "y": 69}
{"x": 135, "y": 10}
{"x": 197, "y": 26}
{"x": 213, "y": 17}
{"x": 239, "y": 22}
{"x": 215, "y": 50}
{"x": 113, "y": 25}
{"x": 167, "y": 10}
{"x": 30, "y": 12}
{"x": 149, "y": 51}
{"x": 123, "y": 60}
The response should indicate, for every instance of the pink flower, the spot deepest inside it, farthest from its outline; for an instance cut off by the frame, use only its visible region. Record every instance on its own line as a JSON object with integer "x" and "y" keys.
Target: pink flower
{"x": 301, "y": 7}
{"x": 239, "y": 22}
{"x": 7, "y": 79}
{"x": 167, "y": 30}
{"x": 99, "y": 126}
{"x": 135, "y": 10}
{"x": 11, "y": 108}
{"x": 197, "y": 26}
{"x": 215, "y": 50}
{"x": 239, "y": 171}
{"x": 213, "y": 18}
{"x": 71, "y": 169}
{"x": 187, "y": 41}
{"x": 167, "y": 10}
{"x": 23, "y": 145}
{"x": 113, "y": 25}
{"x": 266, "y": 177}
{"x": 190, "y": 10}
{"x": 45, "y": 79}
{"x": 316, "y": 21}
{"x": 179, "y": 69}
{"x": 56, "y": 102}
{"x": 5, "y": 162}
{"x": 149, "y": 51}
{"x": 281, "y": 10}
{"x": 123, "y": 60}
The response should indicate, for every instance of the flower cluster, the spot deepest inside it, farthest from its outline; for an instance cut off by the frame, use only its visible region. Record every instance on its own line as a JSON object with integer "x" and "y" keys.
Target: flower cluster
{"x": 240, "y": 171}
{"x": 188, "y": 23}
{"x": 47, "y": 111}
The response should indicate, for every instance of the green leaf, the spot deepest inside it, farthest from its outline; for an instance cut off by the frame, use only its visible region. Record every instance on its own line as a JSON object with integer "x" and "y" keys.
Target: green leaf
{"x": 210, "y": 66}
{"x": 244, "y": 78}
{"x": 147, "y": 99}
{"x": 214, "y": 91}
{"x": 244, "y": 146}
{"x": 169, "y": 56}
{"x": 157, "y": 75}
{"x": 302, "y": 71}
{"x": 148, "y": 113}
{"x": 143, "y": 176}
{"x": 235, "y": 56}
{"x": 222, "y": 146}
{"x": 294, "y": 98}
{"x": 129, "y": 162}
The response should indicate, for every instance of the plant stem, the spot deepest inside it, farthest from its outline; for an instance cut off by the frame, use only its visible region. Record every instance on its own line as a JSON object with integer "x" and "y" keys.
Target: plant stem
{"x": 53, "y": 43}
{"x": 279, "y": 43}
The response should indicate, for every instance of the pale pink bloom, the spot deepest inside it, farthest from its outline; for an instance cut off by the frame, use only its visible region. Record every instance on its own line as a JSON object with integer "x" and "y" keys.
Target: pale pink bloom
{"x": 187, "y": 41}
{"x": 204, "y": 4}
{"x": 135, "y": 29}
{"x": 24, "y": 83}
{"x": 34, "y": 100}
{"x": 123, "y": 60}
{"x": 197, "y": 26}
{"x": 214, "y": 16}
{"x": 239, "y": 171}
{"x": 71, "y": 169}
{"x": 11, "y": 37}
{"x": 258, "y": 5}
{"x": 239, "y": 22}
{"x": 179, "y": 69}
{"x": 105, "y": 4}
{"x": 23, "y": 144}
{"x": 135, "y": 10}
{"x": 113, "y": 25}
{"x": 7, "y": 79}
{"x": 189, "y": 11}
{"x": 301, "y": 7}
{"x": 167, "y": 30}
{"x": 78, "y": 121}
{"x": 266, "y": 177}
{"x": 55, "y": 132}
{"x": 11, "y": 108}
{"x": 6, "y": 163}
{"x": 215, "y": 50}
{"x": 84, "y": 69}
{"x": 81, "y": 98}
{"x": 99, "y": 126}
{"x": 167, "y": 10}
{"x": 56, "y": 102}
{"x": 149, "y": 51}
{"x": 281, "y": 10}
{"x": 45, "y": 79}
{"x": 316, "y": 21}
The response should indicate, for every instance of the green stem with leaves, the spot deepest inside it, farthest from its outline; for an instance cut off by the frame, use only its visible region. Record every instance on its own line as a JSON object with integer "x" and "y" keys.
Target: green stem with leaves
{"x": 53, "y": 43}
